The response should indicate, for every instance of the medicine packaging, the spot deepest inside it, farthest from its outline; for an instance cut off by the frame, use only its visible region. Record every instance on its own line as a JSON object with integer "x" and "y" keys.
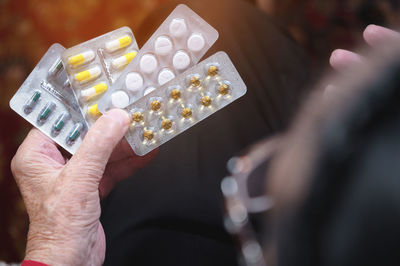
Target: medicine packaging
{"x": 181, "y": 103}
{"x": 94, "y": 65}
{"x": 47, "y": 101}
{"x": 179, "y": 43}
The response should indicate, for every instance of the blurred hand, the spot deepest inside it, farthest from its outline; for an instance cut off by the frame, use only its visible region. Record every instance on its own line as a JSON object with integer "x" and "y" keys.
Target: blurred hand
{"x": 374, "y": 36}
{"x": 62, "y": 197}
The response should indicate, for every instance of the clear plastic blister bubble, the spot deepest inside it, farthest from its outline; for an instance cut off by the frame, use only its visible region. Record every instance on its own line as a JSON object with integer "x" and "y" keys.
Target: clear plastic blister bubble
{"x": 181, "y": 103}
{"x": 47, "y": 101}
{"x": 179, "y": 43}
{"x": 94, "y": 65}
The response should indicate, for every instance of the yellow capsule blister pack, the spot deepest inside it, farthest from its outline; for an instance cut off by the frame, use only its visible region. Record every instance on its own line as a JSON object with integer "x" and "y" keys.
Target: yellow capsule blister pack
{"x": 179, "y": 43}
{"x": 181, "y": 103}
{"x": 47, "y": 101}
{"x": 94, "y": 65}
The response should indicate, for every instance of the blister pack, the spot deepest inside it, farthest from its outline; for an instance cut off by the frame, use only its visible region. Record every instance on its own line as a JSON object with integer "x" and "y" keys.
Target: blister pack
{"x": 179, "y": 43}
{"x": 47, "y": 101}
{"x": 94, "y": 65}
{"x": 181, "y": 103}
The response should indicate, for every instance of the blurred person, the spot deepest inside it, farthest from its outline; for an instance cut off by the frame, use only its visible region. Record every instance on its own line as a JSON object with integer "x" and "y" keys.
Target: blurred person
{"x": 333, "y": 178}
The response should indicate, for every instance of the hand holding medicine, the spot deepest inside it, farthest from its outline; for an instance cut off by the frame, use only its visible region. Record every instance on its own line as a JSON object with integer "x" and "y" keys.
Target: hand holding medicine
{"x": 162, "y": 86}
{"x": 62, "y": 197}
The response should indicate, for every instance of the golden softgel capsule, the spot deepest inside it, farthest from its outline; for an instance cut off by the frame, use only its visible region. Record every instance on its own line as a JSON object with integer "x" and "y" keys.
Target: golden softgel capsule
{"x": 137, "y": 117}
{"x": 194, "y": 81}
{"x": 186, "y": 112}
{"x": 223, "y": 89}
{"x": 166, "y": 124}
{"x": 148, "y": 135}
{"x": 213, "y": 70}
{"x": 155, "y": 105}
{"x": 175, "y": 94}
{"x": 206, "y": 100}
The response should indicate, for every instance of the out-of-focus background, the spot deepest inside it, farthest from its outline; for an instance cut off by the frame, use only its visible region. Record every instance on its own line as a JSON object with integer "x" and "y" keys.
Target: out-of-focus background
{"x": 28, "y": 28}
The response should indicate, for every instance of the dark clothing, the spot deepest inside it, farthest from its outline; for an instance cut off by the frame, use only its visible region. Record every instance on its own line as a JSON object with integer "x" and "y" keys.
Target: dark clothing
{"x": 170, "y": 213}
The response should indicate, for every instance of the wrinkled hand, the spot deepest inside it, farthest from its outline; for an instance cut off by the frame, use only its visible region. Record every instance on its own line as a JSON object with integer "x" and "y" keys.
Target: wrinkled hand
{"x": 62, "y": 197}
{"x": 373, "y": 36}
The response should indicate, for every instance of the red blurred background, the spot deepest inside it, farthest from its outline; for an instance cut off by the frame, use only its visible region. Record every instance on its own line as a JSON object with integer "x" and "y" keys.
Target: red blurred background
{"x": 28, "y": 28}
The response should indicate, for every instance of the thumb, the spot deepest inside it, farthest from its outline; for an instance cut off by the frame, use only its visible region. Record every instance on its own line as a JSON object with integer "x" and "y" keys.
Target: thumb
{"x": 89, "y": 162}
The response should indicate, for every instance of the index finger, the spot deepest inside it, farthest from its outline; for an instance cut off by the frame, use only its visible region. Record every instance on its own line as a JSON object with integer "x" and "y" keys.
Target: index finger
{"x": 376, "y": 35}
{"x": 36, "y": 144}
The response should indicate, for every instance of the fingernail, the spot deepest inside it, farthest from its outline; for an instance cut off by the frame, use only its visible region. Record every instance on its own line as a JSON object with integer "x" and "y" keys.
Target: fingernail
{"x": 119, "y": 115}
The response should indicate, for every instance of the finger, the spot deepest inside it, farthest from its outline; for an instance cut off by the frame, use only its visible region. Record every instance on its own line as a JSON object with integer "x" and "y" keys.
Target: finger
{"x": 123, "y": 169}
{"x": 341, "y": 60}
{"x": 90, "y": 160}
{"x": 376, "y": 35}
{"x": 38, "y": 147}
{"x": 35, "y": 164}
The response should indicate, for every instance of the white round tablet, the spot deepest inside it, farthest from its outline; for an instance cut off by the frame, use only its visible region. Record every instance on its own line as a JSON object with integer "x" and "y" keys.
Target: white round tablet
{"x": 181, "y": 60}
{"x": 133, "y": 81}
{"x": 148, "y": 90}
{"x": 196, "y": 42}
{"x": 165, "y": 76}
{"x": 178, "y": 27}
{"x": 120, "y": 99}
{"x": 163, "y": 45}
{"x": 148, "y": 63}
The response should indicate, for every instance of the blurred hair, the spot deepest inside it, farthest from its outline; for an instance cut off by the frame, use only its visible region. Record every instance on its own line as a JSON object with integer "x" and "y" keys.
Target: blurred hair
{"x": 340, "y": 204}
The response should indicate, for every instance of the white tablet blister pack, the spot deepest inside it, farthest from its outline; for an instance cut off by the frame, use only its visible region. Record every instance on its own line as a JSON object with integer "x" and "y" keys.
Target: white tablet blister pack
{"x": 94, "y": 65}
{"x": 181, "y": 103}
{"x": 47, "y": 101}
{"x": 179, "y": 43}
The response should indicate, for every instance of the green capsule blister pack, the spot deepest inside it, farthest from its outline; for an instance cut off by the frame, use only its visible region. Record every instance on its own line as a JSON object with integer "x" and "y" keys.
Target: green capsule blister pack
{"x": 47, "y": 101}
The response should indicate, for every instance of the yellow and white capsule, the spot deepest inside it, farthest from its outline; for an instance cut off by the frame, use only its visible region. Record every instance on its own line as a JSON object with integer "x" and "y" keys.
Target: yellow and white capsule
{"x": 119, "y": 43}
{"x": 122, "y": 61}
{"x": 94, "y": 91}
{"x": 88, "y": 75}
{"x": 94, "y": 110}
{"x": 81, "y": 58}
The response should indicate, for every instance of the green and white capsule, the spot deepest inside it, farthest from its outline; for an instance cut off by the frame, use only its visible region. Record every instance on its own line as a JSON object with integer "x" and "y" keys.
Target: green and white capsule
{"x": 60, "y": 123}
{"x": 46, "y": 112}
{"x": 30, "y": 104}
{"x": 74, "y": 134}
{"x": 56, "y": 68}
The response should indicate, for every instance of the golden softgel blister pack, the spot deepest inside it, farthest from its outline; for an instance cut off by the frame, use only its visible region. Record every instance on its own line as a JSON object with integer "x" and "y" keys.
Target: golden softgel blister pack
{"x": 183, "y": 102}
{"x": 94, "y": 65}
{"x": 47, "y": 101}
{"x": 179, "y": 43}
